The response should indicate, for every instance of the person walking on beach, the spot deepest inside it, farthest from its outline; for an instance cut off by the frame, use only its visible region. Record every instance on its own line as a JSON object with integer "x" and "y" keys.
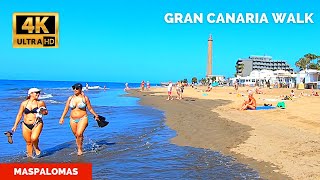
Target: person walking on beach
{"x": 170, "y": 91}
{"x": 32, "y": 110}
{"x": 79, "y": 103}
{"x": 142, "y": 86}
{"x": 148, "y": 85}
{"x": 179, "y": 90}
{"x": 236, "y": 86}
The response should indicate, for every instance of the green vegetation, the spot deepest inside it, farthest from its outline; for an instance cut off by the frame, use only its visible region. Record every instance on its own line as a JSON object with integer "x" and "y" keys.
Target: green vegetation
{"x": 194, "y": 80}
{"x": 239, "y": 69}
{"x": 309, "y": 61}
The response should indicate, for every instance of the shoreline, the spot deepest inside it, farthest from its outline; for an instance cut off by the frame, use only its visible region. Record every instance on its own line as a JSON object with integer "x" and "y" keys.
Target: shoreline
{"x": 213, "y": 132}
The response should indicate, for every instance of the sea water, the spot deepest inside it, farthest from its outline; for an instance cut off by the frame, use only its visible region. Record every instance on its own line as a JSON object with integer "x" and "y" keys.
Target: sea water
{"x": 136, "y": 143}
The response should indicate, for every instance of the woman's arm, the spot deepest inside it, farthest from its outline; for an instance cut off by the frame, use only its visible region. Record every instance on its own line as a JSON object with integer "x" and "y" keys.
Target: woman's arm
{"x": 253, "y": 102}
{"x": 65, "y": 111}
{"x": 18, "y": 118}
{"x": 90, "y": 108}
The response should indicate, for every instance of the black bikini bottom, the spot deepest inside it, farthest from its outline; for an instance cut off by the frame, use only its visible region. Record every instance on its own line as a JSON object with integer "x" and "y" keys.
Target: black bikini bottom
{"x": 31, "y": 126}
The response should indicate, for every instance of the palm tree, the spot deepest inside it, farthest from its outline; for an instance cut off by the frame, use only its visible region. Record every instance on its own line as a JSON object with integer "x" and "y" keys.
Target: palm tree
{"x": 203, "y": 81}
{"x": 314, "y": 66}
{"x": 311, "y": 58}
{"x": 303, "y": 63}
{"x": 185, "y": 81}
{"x": 194, "y": 80}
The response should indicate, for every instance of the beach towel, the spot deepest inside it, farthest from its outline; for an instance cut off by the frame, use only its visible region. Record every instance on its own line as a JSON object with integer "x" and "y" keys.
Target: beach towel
{"x": 265, "y": 107}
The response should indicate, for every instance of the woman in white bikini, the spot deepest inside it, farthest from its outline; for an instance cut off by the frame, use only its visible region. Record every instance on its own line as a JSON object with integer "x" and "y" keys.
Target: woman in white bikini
{"x": 79, "y": 103}
{"x": 32, "y": 110}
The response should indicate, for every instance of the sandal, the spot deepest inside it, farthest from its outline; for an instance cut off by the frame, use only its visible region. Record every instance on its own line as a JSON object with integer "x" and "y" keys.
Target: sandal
{"x": 9, "y": 135}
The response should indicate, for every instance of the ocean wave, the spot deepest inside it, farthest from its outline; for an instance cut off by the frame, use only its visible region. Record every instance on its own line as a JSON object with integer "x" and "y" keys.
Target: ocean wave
{"x": 92, "y": 88}
{"x": 13, "y": 89}
{"x": 14, "y": 99}
{"x": 58, "y": 88}
{"x": 53, "y": 102}
{"x": 45, "y": 96}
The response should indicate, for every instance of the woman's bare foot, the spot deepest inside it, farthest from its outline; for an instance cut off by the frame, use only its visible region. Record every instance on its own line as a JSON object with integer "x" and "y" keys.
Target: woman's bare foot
{"x": 80, "y": 152}
{"x": 29, "y": 156}
{"x": 38, "y": 151}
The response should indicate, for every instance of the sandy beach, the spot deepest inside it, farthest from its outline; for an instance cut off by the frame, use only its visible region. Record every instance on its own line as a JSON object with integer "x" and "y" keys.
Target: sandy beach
{"x": 278, "y": 143}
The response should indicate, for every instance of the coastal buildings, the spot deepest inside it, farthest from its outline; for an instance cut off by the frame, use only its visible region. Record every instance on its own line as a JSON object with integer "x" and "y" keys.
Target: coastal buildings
{"x": 310, "y": 78}
{"x": 278, "y": 78}
{"x": 245, "y": 66}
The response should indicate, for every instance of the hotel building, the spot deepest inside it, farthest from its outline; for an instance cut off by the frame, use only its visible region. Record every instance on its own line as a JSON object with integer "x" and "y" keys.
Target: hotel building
{"x": 245, "y": 66}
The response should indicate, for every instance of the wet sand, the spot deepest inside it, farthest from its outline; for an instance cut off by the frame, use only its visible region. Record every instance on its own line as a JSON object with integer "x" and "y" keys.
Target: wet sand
{"x": 198, "y": 126}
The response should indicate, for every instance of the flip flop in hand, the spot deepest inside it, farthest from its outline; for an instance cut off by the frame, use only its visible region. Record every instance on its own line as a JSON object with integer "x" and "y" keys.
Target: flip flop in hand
{"x": 9, "y": 135}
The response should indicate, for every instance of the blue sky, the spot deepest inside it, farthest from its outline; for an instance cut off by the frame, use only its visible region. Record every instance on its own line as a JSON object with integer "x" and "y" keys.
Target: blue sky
{"x": 129, "y": 41}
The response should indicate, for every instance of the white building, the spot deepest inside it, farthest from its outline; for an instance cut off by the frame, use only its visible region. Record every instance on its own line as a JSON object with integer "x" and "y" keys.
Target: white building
{"x": 309, "y": 77}
{"x": 278, "y": 78}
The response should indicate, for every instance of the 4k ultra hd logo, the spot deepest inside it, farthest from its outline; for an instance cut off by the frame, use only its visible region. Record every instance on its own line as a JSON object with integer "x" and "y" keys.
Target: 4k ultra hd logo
{"x": 35, "y": 30}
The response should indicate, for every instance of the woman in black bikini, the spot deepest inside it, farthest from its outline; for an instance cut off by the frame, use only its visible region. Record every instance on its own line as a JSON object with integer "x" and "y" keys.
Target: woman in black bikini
{"x": 33, "y": 109}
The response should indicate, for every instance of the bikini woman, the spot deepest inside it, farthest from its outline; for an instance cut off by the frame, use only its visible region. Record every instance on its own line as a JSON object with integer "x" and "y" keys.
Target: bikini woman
{"x": 79, "y": 103}
{"x": 32, "y": 110}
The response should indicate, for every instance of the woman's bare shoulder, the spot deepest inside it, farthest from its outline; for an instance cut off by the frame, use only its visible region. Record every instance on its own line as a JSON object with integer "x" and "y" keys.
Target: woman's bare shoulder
{"x": 24, "y": 102}
{"x": 70, "y": 97}
{"x": 41, "y": 103}
{"x": 86, "y": 97}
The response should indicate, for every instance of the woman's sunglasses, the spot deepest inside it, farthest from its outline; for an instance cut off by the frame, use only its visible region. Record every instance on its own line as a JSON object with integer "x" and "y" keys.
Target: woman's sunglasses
{"x": 38, "y": 92}
{"x": 75, "y": 88}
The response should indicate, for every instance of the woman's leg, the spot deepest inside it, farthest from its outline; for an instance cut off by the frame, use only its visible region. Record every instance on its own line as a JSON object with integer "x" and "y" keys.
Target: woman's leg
{"x": 26, "y": 132}
{"x": 35, "y": 137}
{"x": 244, "y": 103}
{"x": 82, "y": 125}
{"x": 251, "y": 107}
{"x": 73, "y": 126}
{"x": 244, "y": 107}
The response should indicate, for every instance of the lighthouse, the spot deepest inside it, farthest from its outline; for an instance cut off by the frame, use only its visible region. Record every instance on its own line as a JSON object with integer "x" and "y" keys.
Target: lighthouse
{"x": 209, "y": 61}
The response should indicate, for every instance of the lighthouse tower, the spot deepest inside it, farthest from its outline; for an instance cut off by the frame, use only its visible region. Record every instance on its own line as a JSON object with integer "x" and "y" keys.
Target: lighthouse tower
{"x": 209, "y": 61}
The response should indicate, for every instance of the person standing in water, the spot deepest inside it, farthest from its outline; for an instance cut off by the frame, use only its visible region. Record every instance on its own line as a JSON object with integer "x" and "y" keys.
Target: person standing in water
{"x": 79, "y": 103}
{"x": 32, "y": 110}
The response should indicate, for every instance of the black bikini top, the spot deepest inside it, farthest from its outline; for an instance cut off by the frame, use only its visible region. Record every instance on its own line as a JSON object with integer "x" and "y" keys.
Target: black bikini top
{"x": 34, "y": 110}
